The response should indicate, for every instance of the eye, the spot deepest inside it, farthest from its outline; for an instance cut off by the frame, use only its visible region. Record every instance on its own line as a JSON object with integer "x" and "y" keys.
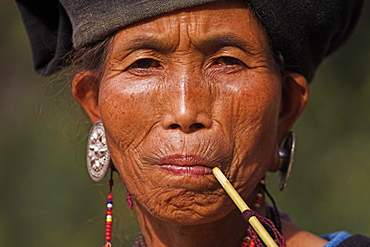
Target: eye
{"x": 145, "y": 63}
{"x": 229, "y": 61}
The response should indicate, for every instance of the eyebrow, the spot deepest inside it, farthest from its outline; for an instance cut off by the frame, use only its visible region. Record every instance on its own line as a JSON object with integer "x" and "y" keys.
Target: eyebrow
{"x": 219, "y": 41}
{"x": 148, "y": 43}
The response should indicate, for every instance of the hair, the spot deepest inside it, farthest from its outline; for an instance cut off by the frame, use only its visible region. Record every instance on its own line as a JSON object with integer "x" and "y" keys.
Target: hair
{"x": 92, "y": 57}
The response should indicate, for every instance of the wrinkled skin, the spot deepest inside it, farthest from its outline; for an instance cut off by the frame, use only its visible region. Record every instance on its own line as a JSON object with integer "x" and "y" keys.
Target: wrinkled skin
{"x": 235, "y": 106}
{"x": 199, "y": 85}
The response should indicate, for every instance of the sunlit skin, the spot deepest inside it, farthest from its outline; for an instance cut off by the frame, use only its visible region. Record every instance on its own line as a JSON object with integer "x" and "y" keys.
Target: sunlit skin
{"x": 185, "y": 92}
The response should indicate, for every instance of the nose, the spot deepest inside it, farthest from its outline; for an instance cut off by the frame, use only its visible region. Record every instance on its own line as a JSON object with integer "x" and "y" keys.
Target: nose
{"x": 189, "y": 106}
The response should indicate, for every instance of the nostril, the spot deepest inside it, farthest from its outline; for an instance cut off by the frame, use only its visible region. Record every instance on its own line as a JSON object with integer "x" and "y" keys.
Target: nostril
{"x": 175, "y": 126}
{"x": 196, "y": 126}
{"x": 192, "y": 127}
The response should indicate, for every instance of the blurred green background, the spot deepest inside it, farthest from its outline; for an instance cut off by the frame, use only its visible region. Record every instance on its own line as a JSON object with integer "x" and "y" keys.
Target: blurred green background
{"x": 47, "y": 198}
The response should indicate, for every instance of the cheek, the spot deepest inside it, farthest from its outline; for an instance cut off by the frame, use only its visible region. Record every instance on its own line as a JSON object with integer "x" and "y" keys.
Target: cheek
{"x": 248, "y": 103}
{"x": 127, "y": 111}
{"x": 252, "y": 120}
{"x": 128, "y": 114}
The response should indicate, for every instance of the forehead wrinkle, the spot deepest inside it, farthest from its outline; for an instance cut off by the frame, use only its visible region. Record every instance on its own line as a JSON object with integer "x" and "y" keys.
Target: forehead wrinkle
{"x": 184, "y": 25}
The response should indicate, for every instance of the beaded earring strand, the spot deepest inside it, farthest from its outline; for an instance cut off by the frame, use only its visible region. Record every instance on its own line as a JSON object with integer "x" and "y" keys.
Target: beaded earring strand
{"x": 250, "y": 238}
{"x": 109, "y": 215}
{"x": 258, "y": 200}
{"x": 128, "y": 196}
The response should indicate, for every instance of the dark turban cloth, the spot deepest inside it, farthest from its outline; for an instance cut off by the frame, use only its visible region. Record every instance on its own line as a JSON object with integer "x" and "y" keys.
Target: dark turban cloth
{"x": 301, "y": 32}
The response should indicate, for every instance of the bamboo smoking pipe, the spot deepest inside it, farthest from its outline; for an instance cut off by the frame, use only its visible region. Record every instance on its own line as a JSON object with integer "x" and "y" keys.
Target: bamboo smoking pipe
{"x": 257, "y": 226}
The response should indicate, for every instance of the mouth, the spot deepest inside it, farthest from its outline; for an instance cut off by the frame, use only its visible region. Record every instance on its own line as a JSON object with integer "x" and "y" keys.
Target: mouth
{"x": 186, "y": 165}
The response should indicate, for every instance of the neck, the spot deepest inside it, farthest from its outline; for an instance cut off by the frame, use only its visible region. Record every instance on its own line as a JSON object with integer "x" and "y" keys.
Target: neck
{"x": 227, "y": 231}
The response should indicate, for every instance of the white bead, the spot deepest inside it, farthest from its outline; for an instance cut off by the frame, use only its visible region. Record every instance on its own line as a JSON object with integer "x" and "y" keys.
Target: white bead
{"x": 109, "y": 216}
{"x": 109, "y": 205}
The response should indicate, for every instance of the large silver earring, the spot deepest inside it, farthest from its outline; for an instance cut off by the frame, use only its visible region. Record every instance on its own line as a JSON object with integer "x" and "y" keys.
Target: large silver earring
{"x": 97, "y": 153}
{"x": 286, "y": 153}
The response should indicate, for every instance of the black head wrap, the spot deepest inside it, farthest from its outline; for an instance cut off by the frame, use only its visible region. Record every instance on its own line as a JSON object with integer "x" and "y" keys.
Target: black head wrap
{"x": 302, "y": 32}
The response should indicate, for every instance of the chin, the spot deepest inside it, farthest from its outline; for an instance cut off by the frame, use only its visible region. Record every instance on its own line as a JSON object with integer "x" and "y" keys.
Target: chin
{"x": 188, "y": 208}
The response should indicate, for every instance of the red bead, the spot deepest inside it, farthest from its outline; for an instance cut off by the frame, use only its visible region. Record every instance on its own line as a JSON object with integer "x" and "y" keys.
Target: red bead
{"x": 110, "y": 197}
{"x": 108, "y": 230}
{"x": 108, "y": 226}
{"x": 109, "y": 212}
{"x": 108, "y": 234}
{"x": 108, "y": 238}
{"x": 253, "y": 243}
{"x": 109, "y": 222}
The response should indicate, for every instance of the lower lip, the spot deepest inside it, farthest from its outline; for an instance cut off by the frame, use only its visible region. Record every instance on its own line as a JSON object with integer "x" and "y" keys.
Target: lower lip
{"x": 187, "y": 170}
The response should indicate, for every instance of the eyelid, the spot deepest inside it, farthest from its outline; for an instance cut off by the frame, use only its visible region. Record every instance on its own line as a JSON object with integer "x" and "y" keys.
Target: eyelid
{"x": 230, "y": 51}
{"x": 237, "y": 60}
{"x": 135, "y": 69}
{"x": 135, "y": 56}
{"x": 143, "y": 60}
{"x": 214, "y": 63}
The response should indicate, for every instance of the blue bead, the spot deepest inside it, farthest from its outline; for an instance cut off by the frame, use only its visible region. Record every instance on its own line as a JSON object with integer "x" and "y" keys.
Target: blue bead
{"x": 110, "y": 201}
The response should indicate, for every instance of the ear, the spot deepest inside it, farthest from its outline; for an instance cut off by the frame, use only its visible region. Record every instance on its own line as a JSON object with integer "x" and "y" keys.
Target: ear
{"x": 294, "y": 97}
{"x": 85, "y": 90}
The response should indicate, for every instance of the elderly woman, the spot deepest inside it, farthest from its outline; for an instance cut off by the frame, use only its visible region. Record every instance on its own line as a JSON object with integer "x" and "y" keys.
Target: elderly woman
{"x": 176, "y": 88}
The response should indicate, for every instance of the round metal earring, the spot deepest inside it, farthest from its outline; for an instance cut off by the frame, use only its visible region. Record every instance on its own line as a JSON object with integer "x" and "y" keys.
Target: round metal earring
{"x": 286, "y": 153}
{"x": 97, "y": 153}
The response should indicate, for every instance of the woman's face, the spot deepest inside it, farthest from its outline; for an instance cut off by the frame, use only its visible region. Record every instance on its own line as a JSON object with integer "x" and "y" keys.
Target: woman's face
{"x": 183, "y": 93}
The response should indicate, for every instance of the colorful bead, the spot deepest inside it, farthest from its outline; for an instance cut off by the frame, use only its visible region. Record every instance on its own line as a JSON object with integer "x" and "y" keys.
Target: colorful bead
{"x": 252, "y": 243}
{"x": 259, "y": 197}
{"x": 109, "y": 215}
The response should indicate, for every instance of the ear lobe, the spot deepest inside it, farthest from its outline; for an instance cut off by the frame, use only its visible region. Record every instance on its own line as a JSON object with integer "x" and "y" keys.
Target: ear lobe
{"x": 294, "y": 97}
{"x": 85, "y": 90}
